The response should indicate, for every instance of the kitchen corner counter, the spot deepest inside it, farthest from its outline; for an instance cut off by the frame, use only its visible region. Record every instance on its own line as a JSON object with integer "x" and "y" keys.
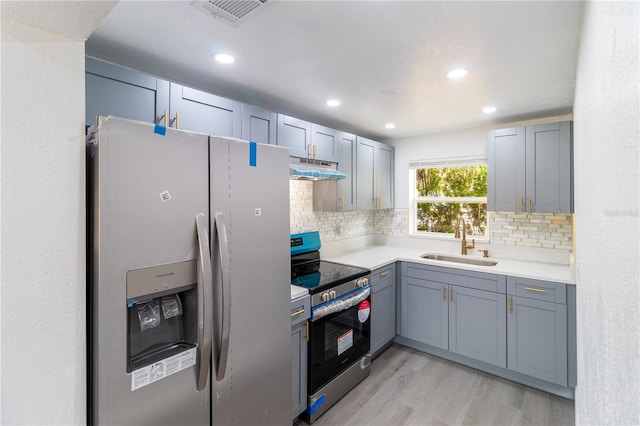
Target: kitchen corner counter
{"x": 374, "y": 257}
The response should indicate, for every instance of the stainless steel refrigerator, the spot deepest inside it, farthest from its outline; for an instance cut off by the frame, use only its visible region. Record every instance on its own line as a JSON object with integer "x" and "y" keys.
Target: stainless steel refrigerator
{"x": 188, "y": 296}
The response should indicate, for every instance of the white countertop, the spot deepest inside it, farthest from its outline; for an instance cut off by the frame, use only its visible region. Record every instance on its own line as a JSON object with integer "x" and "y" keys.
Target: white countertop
{"x": 298, "y": 292}
{"x": 374, "y": 257}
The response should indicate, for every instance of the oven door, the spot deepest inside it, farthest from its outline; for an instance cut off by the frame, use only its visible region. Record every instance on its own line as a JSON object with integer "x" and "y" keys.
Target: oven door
{"x": 337, "y": 340}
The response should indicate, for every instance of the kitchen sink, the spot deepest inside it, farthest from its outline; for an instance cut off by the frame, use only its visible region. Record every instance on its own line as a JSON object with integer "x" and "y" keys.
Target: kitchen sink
{"x": 459, "y": 259}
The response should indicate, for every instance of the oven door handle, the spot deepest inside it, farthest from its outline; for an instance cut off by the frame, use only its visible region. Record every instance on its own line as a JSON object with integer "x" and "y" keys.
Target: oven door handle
{"x": 340, "y": 305}
{"x": 223, "y": 250}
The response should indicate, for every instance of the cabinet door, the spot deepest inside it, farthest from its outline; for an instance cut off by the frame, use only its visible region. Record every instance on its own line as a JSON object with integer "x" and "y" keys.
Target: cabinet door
{"x": 477, "y": 326}
{"x": 204, "y": 113}
{"x": 506, "y": 170}
{"x": 258, "y": 125}
{"x": 384, "y": 165}
{"x": 548, "y": 176}
{"x": 365, "y": 174}
{"x": 294, "y": 134}
{"x": 425, "y": 311}
{"x": 383, "y": 309}
{"x": 113, "y": 90}
{"x": 324, "y": 141}
{"x": 298, "y": 369}
{"x": 537, "y": 336}
{"x": 347, "y": 164}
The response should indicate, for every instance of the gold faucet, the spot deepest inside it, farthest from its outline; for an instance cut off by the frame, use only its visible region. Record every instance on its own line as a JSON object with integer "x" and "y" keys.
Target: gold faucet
{"x": 465, "y": 247}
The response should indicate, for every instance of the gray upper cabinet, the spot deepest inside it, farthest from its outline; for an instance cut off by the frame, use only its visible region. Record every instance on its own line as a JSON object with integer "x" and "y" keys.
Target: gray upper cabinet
{"x": 506, "y": 169}
{"x": 537, "y": 329}
{"x": 383, "y": 307}
{"x": 294, "y": 134}
{"x": 202, "y": 112}
{"x": 347, "y": 158}
{"x": 258, "y": 125}
{"x": 549, "y": 167}
{"x": 530, "y": 168}
{"x": 113, "y": 90}
{"x": 374, "y": 175}
{"x": 324, "y": 143}
{"x": 307, "y": 140}
{"x": 340, "y": 195}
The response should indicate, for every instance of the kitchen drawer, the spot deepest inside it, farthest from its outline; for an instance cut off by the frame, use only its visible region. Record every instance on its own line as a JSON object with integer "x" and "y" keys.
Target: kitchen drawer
{"x": 537, "y": 289}
{"x": 455, "y": 276}
{"x": 300, "y": 309}
{"x": 383, "y": 276}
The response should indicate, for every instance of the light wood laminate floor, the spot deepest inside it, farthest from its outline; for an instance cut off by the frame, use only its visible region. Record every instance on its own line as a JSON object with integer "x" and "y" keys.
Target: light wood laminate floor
{"x": 407, "y": 387}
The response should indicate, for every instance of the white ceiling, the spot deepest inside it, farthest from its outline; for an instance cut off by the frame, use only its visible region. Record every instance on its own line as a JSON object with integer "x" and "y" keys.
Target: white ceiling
{"x": 385, "y": 60}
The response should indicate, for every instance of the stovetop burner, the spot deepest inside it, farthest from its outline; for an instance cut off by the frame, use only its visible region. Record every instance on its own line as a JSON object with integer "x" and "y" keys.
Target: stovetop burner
{"x": 327, "y": 275}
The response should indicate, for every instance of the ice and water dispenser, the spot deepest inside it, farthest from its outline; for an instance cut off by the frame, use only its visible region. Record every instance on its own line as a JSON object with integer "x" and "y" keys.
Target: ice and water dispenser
{"x": 162, "y": 309}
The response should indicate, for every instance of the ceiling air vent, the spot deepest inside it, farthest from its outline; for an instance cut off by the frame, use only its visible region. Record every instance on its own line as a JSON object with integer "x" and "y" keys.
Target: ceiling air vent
{"x": 231, "y": 11}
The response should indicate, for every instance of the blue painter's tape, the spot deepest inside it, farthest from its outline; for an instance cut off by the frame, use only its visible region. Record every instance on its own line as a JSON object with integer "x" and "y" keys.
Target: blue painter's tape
{"x": 160, "y": 129}
{"x": 129, "y": 303}
{"x": 316, "y": 404}
{"x": 253, "y": 148}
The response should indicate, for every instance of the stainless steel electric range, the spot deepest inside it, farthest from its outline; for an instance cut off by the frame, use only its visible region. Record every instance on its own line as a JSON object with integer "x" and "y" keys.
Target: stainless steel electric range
{"x": 340, "y": 327}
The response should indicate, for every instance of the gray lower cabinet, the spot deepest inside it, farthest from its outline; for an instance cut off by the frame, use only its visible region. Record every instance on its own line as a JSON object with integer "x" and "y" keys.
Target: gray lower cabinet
{"x": 114, "y": 90}
{"x": 459, "y": 311}
{"x": 258, "y": 125}
{"x": 300, "y": 313}
{"x": 425, "y": 311}
{"x": 537, "y": 329}
{"x": 383, "y": 307}
{"x": 202, "y": 112}
{"x": 477, "y": 326}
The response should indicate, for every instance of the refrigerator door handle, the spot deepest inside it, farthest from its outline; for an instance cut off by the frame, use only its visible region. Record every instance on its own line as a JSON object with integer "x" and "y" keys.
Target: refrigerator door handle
{"x": 223, "y": 247}
{"x": 205, "y": 298}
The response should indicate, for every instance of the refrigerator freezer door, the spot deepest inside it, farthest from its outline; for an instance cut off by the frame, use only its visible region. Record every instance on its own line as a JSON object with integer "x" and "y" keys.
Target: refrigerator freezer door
{"x": 250, "y": 188}
{"x": 148, "y": 189}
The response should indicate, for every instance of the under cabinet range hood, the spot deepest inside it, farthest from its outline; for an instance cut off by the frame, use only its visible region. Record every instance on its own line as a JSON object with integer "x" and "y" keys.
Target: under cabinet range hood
{"x": 309, "y": 169}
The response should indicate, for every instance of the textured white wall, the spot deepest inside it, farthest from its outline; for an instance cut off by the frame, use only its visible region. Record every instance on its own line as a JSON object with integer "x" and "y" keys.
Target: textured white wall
{"x": 607, "y": 160}
{"x": 43, "y": 252}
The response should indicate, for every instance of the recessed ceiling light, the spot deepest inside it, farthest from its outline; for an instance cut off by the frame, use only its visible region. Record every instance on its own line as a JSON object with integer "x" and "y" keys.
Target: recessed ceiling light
{"x": 224, "y": 58}
{"x": 457, "y": 73}
{"x": 333, "y": 102}
{"x": 489, "y": 109}
{"x": 390, "y": 126}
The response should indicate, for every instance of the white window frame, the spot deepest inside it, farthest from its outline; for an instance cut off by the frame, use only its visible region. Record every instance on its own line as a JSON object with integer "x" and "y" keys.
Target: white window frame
{"x": 414, "y": 199}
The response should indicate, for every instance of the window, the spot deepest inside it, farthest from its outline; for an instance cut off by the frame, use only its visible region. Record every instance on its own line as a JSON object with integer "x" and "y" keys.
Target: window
{"x": 447, "y": 192}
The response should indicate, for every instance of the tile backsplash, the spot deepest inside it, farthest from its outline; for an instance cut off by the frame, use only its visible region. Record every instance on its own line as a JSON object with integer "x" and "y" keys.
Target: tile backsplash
{"x": 531, "y": 230}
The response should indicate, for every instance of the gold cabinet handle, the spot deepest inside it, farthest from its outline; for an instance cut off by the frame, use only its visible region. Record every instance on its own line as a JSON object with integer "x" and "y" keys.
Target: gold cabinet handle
{"x": 384, "y": 274}
{"x": 450, "y": 293}
{"x": 306, "y": 331}
{"x": 510, "y": 304}
{"x": 521, "y": 204}
{"x": 342, "y": 203}
{"x": 175, "y": 120}
{"x": 315, "y": 150}
{"x": 538, "y": 290}
{"x": 444, "y": 292}
{"x": 296, "y": 313}
{"x": 163, "y": 117}
{"x": 530, "y": 204}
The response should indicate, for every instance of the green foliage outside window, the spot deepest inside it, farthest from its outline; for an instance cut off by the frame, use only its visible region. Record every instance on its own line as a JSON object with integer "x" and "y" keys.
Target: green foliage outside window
{"x": 443, "y": 216}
